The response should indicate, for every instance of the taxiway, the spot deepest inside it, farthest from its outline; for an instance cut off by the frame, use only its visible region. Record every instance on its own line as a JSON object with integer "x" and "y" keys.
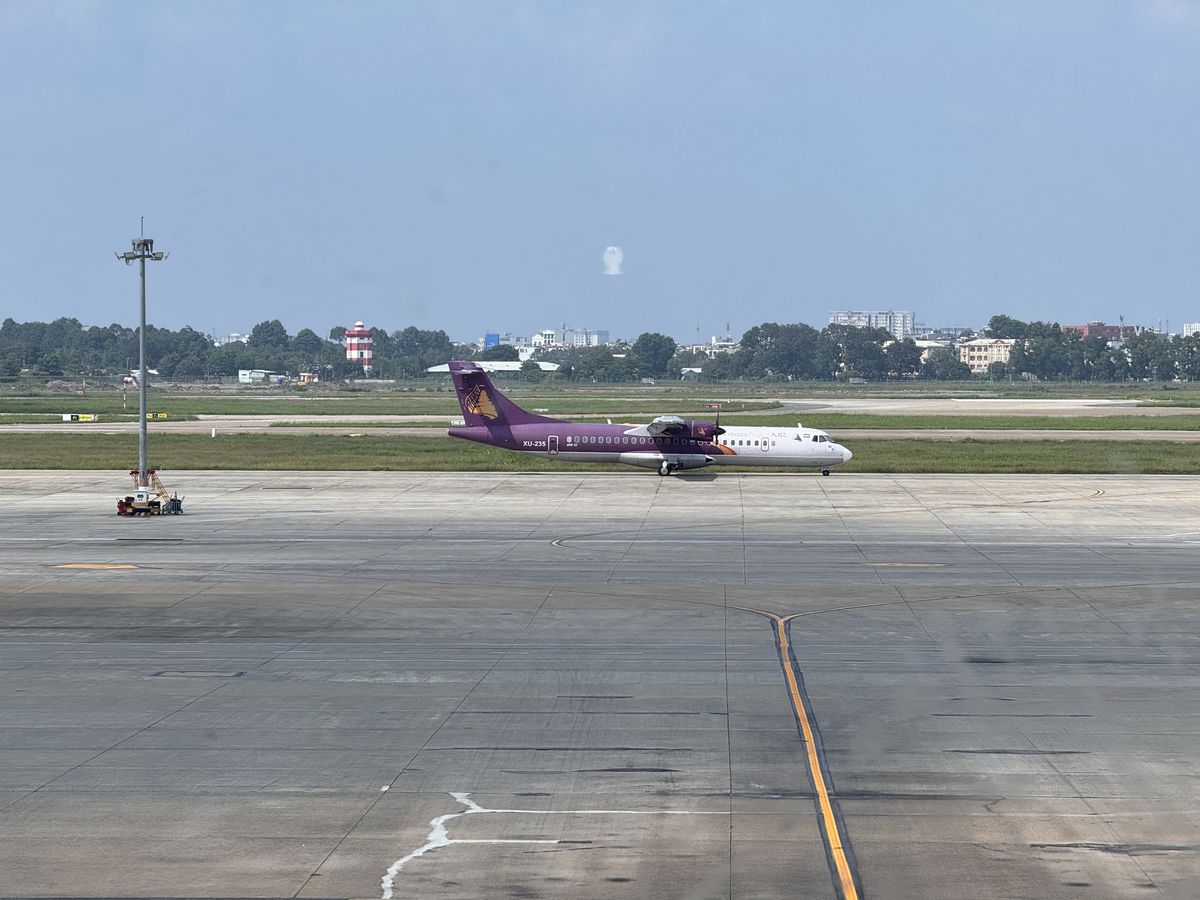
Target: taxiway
{"x": 601, "y": 685}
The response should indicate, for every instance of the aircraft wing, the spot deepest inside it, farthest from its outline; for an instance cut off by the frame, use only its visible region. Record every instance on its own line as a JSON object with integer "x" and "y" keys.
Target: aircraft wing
{"x": 666, "y": 425}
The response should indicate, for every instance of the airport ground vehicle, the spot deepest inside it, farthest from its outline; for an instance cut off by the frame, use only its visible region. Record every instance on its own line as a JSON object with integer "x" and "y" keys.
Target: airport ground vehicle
{"x": 149, "y": 500}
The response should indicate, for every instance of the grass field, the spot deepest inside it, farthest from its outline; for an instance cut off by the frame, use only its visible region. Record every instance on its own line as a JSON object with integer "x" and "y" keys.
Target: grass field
{"x": 379, "y": 403}
{"x": 831, "y": 422}
{"x": 439, "y": 453}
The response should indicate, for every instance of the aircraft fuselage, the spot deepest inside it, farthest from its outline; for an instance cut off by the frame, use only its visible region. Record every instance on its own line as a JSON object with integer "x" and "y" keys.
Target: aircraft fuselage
{"x": 738, "y": 446}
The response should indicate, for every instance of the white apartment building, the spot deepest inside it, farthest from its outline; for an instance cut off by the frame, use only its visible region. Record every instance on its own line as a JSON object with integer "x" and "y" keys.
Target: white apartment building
{"x": 980, "y": 354}
{"x": 899, "y": 322}
{"x": 1190, "y": 328}
{"x": 569, "y": 337}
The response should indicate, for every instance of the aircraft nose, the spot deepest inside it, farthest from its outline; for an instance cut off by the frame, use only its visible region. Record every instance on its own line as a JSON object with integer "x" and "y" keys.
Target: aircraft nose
{"x": 846, "y": 455}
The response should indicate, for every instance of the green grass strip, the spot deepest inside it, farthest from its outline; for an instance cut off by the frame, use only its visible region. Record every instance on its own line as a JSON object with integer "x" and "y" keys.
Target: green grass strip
{"x": 831, "y": 422}
{"x": 438, "y": 453}
{"x": 390, "y": 403}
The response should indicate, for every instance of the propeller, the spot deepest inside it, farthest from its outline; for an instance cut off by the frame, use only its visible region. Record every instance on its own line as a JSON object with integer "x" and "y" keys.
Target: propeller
{"x": 718, "y": 430}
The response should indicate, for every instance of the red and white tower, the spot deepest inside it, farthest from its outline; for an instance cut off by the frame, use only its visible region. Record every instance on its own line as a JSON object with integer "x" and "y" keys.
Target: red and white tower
{"x": 360, "y": 346}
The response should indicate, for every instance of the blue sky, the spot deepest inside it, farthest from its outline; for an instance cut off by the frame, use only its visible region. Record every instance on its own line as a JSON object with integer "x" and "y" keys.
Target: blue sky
{"x": 462, "y": 165}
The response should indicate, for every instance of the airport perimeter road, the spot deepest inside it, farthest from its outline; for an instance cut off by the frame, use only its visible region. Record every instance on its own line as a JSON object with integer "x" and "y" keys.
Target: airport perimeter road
{"x": 601, "y": 686}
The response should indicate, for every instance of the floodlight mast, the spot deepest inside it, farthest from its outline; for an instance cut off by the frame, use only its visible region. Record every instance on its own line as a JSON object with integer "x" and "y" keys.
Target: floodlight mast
{"x": 143, "y": 249}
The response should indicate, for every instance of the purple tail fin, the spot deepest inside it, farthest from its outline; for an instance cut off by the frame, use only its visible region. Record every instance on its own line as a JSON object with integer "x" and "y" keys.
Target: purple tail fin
{"x": 481, "y": 403}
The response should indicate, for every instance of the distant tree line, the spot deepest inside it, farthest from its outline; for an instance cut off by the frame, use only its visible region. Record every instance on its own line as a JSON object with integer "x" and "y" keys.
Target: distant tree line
{"x": 769, "y": 351}
{"x": 1043, "y": 350}
{"x": 64, "y": 347}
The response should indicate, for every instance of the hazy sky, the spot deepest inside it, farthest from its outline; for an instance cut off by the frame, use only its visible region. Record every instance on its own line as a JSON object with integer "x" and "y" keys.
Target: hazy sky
{"x": 462, "y": 165}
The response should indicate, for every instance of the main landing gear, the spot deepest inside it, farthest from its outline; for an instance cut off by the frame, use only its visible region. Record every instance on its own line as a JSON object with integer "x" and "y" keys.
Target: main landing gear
{"x": 824, "y": 471}
{"x": 667, "y": 468}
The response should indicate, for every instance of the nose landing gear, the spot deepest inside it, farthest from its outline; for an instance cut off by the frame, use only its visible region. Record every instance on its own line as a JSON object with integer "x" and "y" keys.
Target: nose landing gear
{"x": 824, "y": 471}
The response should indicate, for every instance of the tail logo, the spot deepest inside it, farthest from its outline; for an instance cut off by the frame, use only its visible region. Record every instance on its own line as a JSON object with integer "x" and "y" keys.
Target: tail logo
{"x": 479, "y": 403}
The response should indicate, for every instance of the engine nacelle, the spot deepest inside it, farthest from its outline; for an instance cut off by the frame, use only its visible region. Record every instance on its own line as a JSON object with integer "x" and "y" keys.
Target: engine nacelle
{"x": 703, "y": 431}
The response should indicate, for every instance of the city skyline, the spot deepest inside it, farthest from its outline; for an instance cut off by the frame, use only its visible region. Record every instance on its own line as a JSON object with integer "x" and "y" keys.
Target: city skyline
{"x": 467, "y": 167}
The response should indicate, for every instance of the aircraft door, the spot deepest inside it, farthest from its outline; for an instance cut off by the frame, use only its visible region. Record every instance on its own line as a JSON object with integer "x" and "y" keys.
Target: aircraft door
{"x": 552, "y": 444}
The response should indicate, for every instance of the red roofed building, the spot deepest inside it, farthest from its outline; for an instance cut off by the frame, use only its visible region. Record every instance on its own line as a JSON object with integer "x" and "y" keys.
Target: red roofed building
{"x": 1108, "y": 332}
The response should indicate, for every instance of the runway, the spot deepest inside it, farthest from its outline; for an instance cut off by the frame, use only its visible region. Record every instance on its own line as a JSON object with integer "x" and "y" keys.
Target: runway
{"x": 601, "y": 685}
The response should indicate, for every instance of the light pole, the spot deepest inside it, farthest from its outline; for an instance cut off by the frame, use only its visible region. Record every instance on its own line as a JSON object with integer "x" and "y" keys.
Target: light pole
{"x": 143, "y": 249}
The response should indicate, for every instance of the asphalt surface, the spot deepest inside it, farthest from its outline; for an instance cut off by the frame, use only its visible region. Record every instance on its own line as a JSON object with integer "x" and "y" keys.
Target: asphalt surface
{"x": 601, "y": 686}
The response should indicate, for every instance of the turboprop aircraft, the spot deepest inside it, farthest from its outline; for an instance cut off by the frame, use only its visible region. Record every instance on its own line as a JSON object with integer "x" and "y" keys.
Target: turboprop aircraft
{"x": 667, "y": 444}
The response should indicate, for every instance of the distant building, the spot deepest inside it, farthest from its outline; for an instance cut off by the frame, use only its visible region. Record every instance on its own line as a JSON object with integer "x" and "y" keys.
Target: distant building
{"x": 1190, "y": 328}
{"x": 941, "y": 332}
{"x": 569, "y": 337}
{"x": 980, "y": 354}
{"x": 1108, "y": 332}
{"x": 499, "y": 366}
{"x": 360, "y": 346}
{"x": 714, "y": 346}
{"x": 503, "y": 338}
{"x": 232, "y": 338}
{"x": 898, "y": 322}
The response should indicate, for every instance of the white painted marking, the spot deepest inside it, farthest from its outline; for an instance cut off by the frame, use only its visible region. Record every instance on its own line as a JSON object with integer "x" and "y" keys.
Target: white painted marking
{"x": 385, "y": 787}
{"x": 439, "y": 835}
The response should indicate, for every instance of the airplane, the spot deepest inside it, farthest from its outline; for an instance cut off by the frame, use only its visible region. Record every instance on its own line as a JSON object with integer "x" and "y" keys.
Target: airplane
{"x": 668, "y": 443}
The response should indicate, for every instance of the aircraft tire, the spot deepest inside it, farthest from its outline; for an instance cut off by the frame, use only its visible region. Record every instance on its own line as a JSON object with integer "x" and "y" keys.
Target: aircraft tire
{"x": 824, "y": 471}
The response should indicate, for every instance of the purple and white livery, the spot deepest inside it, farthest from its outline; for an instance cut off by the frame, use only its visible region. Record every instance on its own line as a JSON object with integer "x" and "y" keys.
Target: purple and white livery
{"x": 666, "y": 444}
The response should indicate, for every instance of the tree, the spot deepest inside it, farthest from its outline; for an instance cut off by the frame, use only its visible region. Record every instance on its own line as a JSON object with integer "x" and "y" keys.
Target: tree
{"x": 1187, "y": 356}
{"x": 270, "y": 335}
{"x": 307, "y": 342}
{"x": 49, "y": 365}
{"x": 502, "y": 352}
{"x": 531, "y": 371}
{"x": 793, "y": 351}
{"x": 1145, "y": 352}
{"x": 904, "y": 357}
{"x": 943, "y": 364}
{"x": 1002, "y": 326}
{"x": 1018, "y": 359}
{"x": 860, "y": 350}
{"x": 651, "y": 353}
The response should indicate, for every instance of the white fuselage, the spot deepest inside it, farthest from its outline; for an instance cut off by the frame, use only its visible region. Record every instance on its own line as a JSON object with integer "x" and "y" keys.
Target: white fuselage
{"x": 738, "y": 446}
{"x": 753, "y": 446}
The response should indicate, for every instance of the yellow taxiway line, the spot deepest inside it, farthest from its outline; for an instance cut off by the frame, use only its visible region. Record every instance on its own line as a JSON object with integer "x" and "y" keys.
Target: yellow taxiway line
{"x": 833, "y": 831}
